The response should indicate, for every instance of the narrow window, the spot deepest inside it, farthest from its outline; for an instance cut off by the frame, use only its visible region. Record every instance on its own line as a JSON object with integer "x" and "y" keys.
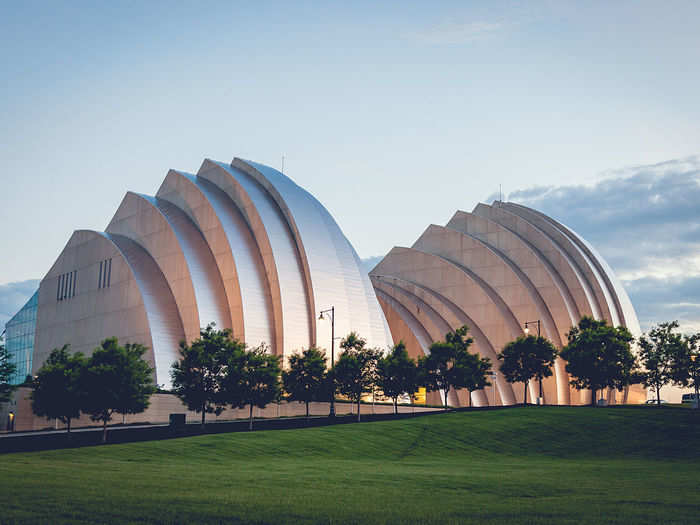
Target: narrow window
{"x": 58, "y": 288}
{"x": 75, "y": 278}
{"x": 99, "y": 280}
{"x": 109, "y": 275}
{"x": 63, "y": 286}
{"x": 70, "y": 284}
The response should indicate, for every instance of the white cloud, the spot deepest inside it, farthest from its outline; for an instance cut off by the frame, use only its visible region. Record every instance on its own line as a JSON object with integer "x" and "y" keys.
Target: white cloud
{"x": 645, "y": 221}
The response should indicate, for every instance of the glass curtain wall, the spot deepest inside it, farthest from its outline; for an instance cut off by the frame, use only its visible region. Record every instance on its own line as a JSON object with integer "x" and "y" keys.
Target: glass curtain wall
{"x": 19, "y": 339}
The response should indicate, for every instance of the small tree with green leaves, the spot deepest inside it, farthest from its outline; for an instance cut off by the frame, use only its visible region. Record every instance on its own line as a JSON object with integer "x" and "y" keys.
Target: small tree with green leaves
{"x": 116, "y": 379}
{"x": 197, "y": 375}
{"x": 7, "y": 370}
{"x": 252, "y": 378}
{"x": 475, "y": 371}
{"x": 659, "y": 350}
{"x": 397, "y": 373}
{"x": 57, "y": 391}
{"x": 449, "y": 367}
{"x": 686, "y": 365}
{"x": 306, "y": 380}
{"x": 355, "y": 372}
{"x": 598, "y": 356}
{"x": 528, "y": 357}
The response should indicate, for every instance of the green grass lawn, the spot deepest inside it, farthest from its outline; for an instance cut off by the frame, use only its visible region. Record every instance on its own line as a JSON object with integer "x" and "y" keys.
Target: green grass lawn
{"x": 524, "y": 465}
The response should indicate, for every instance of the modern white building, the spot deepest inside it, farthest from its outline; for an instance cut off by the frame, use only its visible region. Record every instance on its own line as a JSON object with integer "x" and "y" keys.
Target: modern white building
{"x": 238, "y": 244}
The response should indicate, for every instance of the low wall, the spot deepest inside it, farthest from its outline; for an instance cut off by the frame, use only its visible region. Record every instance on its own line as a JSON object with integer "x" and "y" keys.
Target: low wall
{"x": 162, "y": 405}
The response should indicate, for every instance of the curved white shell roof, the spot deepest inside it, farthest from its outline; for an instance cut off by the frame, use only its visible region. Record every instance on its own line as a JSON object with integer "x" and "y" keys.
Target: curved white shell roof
{"x": 237, "y": 244}
{"x": 502, "y": 266}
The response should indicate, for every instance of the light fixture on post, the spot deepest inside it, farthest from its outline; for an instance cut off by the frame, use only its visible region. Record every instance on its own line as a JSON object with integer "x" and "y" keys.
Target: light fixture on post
{"x": 540, "y": 400}
{"x": 331, "y": 311}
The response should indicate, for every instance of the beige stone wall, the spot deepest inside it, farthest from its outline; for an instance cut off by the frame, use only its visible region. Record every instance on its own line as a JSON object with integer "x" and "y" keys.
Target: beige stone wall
{"x": 94, "y": 312}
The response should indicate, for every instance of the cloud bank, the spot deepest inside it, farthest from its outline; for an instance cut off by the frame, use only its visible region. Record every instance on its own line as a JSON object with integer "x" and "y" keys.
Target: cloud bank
{"x": 645, "y": 221}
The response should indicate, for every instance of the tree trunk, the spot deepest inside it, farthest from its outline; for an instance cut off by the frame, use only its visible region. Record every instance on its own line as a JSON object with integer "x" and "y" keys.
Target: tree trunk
{"x": 307, "y": 412}
{"x": 204, "y": 413}
{"x": 396, "y": 406}
{"x": 104, "y": 431}
{"x": 658, "y": 396}
{"x": 447, "y": 393}
{"x": 525, "y": 396}
{"x": 593, "y": 396}
{"x": 250, "y": 421}
{"x": 358, "y": 409}
{"x": 470, "y": 398}
{"x": 68, "y": 425}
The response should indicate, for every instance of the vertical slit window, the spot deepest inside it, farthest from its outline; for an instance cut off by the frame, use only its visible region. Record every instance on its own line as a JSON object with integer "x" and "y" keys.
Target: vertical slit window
{"x": 109, "y": 275}
{"x": 58, "y": 288}
{"x": 99, "y": 280}
{"x": 63, "y": 286}
{"x": 75, "y": 278}
{"x": 70, "y": 284}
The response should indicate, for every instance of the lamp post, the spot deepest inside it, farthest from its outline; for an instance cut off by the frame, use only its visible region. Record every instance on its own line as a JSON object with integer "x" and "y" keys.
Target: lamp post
{"x": 331, "y": 311}
{"x": 693, "y": 357}
{"x": 527, "y": 331}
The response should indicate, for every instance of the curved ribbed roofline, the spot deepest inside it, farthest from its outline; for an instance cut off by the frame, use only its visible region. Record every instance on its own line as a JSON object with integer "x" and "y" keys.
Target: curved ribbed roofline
{"x": 623, "y": 305}
{"x": 183, "y": 190}
{"x": 134, "y": 219}
{"x": 577, "y": 255}
{"x": 514, "y": 236}
{"x": 255, "y": 171}
{"x": 540, "y": 240}
{"x": 222, "y": 177}
{"x": 458, "y": 317}
{"x": 165, "y": 323}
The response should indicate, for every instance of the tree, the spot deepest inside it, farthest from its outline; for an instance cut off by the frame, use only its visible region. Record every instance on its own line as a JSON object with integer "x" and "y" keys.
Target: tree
{"x": 686, "y": 365}
{"x": 658, "y": 351}
{"x": 475, "y": 371}
{"x": 7, "y": 370}
{"x": 397, "y": 373}
{"x": 57, "y": 391}
{"x": 598, "y": 356}
{"x": 355, "y": 371}
{"x": 252, "y": 379}
{"x": 196, "y": 376}
{"x": 526, "y": 358}
{"x": 305, "y": 380}
{"x": 450, "y": 365}
{"x": 116, "y": 379}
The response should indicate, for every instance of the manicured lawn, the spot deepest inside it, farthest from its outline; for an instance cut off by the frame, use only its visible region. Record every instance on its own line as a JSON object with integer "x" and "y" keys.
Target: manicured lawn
{"x": 524, "y": 465}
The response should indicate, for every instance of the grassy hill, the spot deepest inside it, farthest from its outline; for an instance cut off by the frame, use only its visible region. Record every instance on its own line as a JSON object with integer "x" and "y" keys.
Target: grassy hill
{"x": 523, "y": 465}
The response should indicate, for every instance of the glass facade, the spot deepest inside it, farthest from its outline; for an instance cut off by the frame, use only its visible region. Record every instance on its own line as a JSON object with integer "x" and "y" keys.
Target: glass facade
{"x": 19, "y": 339}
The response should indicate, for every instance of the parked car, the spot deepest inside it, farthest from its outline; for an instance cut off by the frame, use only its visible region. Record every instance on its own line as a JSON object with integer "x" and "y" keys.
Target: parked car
{"x": 688, "y": 398}
{"x": 653, "y": 402}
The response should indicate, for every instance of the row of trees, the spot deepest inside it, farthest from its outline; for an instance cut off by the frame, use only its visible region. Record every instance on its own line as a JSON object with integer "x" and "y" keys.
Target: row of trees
{"x": 599, "y": 356}
{"x": 668, "y": 357}
{"x": 216, "y": 371}
{"x": 114, "y": 379}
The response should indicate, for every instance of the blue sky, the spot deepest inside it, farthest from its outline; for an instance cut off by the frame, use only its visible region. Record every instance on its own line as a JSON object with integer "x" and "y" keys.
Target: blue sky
{"x": 392, "y": 115}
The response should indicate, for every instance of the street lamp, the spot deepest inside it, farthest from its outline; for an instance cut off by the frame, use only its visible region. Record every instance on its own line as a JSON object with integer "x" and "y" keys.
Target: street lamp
{"x": 322, "y": 315}
{"x": 527, "y": 331}
{"x": 693, "y": 357}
